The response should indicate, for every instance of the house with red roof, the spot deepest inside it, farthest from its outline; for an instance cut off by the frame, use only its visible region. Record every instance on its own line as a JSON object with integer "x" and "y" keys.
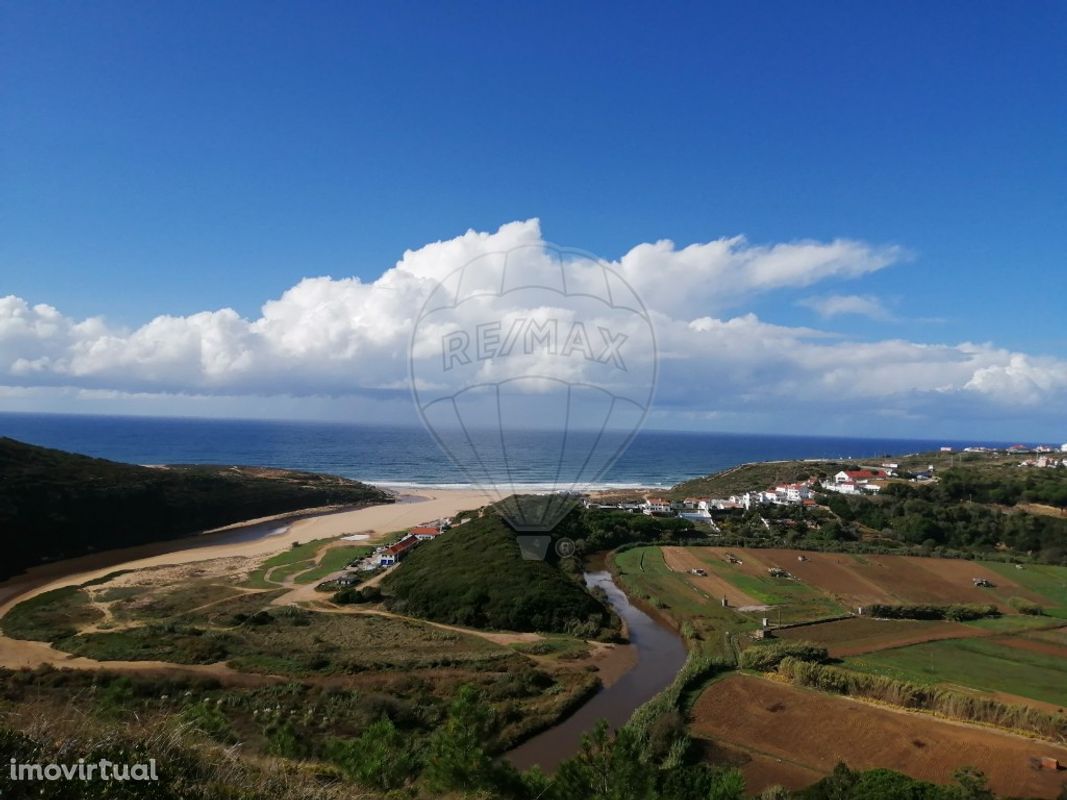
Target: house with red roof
{"x": 425, "y": 533}
{"x": 859, "y": 475}
{"x": 392, "y": 554}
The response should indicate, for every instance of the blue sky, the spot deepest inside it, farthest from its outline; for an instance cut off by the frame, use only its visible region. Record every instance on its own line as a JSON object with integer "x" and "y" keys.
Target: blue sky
{"x": 172, "y": 158}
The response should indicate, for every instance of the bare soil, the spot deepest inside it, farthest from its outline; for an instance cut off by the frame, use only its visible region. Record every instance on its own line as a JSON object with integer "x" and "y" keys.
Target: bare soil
{"x": 807, "y": 730}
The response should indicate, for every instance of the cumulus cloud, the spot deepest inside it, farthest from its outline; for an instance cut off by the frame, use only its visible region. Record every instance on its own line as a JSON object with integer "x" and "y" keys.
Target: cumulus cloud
{"x": 726, "y": 272}
{"x": 345, "y": 337}
{"x": 836, "y": 305}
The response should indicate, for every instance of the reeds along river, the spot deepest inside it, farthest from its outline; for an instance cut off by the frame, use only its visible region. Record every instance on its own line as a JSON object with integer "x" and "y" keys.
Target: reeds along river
{"x": 660, "y": 654}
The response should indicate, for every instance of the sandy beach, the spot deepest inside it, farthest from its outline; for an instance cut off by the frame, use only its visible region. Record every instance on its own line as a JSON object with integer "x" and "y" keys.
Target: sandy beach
{"x": 373, "y": 520}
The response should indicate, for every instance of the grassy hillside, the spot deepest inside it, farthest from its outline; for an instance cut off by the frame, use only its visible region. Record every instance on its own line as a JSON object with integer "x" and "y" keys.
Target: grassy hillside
{"x": 58, "y": 505}
{"x": 475, "y": 575}
{"x": 755, "y": 476}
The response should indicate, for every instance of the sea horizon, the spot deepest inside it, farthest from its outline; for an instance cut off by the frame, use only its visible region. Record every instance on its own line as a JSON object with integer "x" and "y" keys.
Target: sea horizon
{"x": 396, "y": 456}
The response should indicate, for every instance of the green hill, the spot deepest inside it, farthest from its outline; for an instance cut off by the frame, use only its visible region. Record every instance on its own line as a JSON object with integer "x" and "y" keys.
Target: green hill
{"x": 56, "y": 505}
{"x": 474, "y": 575}
{"x": 756, "y": 476}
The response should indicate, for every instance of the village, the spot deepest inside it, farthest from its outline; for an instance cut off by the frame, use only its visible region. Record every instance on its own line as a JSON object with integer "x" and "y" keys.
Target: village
{"x": 699, "y": 509}
{"x": 861, "y": 481}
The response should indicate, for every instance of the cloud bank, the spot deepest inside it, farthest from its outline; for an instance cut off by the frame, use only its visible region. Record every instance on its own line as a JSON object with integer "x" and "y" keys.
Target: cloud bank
{"x": 344, "y": 337}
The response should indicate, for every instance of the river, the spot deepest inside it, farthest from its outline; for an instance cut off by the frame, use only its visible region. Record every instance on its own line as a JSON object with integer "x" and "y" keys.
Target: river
{"x": 660, "y": 654}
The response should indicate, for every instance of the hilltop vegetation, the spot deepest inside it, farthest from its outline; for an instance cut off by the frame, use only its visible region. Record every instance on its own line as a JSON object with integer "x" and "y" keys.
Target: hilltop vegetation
{"x": 964, "y": 510}
{"x": 475, "y": 576}
{"x": 56, "y": 505}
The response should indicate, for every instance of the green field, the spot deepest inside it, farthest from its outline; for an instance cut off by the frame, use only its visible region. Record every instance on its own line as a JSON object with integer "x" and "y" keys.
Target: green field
{"x": 645, "y": 575}
{"x": 792, "y": 600}
{"x": 334, "y": 560}
{"x": 976, "y": 663}
{"x": 258, "y": 578}
{"x": 1048, "y": 581}
{"x": 1013, "y": 623}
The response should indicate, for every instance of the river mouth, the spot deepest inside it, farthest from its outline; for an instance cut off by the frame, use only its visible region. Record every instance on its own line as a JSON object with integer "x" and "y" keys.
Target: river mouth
{"x": 660, "y": 655}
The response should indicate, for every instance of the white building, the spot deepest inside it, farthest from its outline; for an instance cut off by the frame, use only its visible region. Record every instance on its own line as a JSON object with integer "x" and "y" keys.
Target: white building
{"x": 656, "y": 505}
{"x": 793, "y": 493}
{"x": 748, "y": 500}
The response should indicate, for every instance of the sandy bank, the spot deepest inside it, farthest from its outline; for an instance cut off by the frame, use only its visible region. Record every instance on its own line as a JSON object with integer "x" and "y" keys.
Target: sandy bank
{"x": 375, "y": 520}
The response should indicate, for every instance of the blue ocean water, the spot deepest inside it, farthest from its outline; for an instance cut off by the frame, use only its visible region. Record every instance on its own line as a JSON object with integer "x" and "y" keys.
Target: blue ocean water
{"x": 410, "y": 456}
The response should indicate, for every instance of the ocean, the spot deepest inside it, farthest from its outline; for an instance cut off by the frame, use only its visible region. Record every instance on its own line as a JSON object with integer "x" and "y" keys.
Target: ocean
{"x": 409, "y": 456}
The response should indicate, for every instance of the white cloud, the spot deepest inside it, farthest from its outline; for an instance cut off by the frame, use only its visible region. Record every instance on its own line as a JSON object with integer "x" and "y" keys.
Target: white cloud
{"x": 345, "y": 338}
{"x": 836, "y": 305}
{"x": 703, "y": 278}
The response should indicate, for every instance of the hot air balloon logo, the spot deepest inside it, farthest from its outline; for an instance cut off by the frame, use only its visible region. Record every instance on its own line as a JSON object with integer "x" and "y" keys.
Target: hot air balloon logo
{"x": 533, "y": 369}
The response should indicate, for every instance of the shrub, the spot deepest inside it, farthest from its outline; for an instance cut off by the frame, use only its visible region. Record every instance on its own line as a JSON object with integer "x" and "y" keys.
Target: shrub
{"x": 1024, "y": 606}
{"x": 767, "y": 657}
{"x": 476, "y": 576}
{"x": 649, "y": 719}
{"x": 959, "y": 612}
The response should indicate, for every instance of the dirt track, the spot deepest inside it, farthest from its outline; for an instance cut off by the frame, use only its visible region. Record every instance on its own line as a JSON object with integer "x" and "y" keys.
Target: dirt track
{"x": 808, "y": 730}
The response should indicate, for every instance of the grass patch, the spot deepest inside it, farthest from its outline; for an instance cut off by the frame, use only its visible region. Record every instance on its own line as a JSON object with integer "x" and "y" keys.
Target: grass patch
{"x": 975, "y": 663}
{"x": 1011, "y": 623}
{"x": 793, "y": 600}
{"x": 1048, "y": 581}
{"x": 178, "y": 644}
{"x": 645, "y": 574}
{"x": 279, "y": 575}
{"x": 51, "y": 616}
{"x": 258, "y": 637}
{"x": 564, "y": 648}
{"x": 257, "y": 579}
{"x": 166, "y": 602}
{"x": 334, "y": 560}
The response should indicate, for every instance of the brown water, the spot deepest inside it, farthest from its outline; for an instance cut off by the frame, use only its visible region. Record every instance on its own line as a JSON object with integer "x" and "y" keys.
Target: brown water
{"x": 660, "y": 654}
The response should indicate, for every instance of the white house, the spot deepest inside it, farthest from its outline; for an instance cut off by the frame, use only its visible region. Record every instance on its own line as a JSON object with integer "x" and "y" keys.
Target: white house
{"x": 656, "y": 505}
{"x": 854, "y": 475}
{"x": 793, "y": 493}
{"x": 748, "y": 500}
